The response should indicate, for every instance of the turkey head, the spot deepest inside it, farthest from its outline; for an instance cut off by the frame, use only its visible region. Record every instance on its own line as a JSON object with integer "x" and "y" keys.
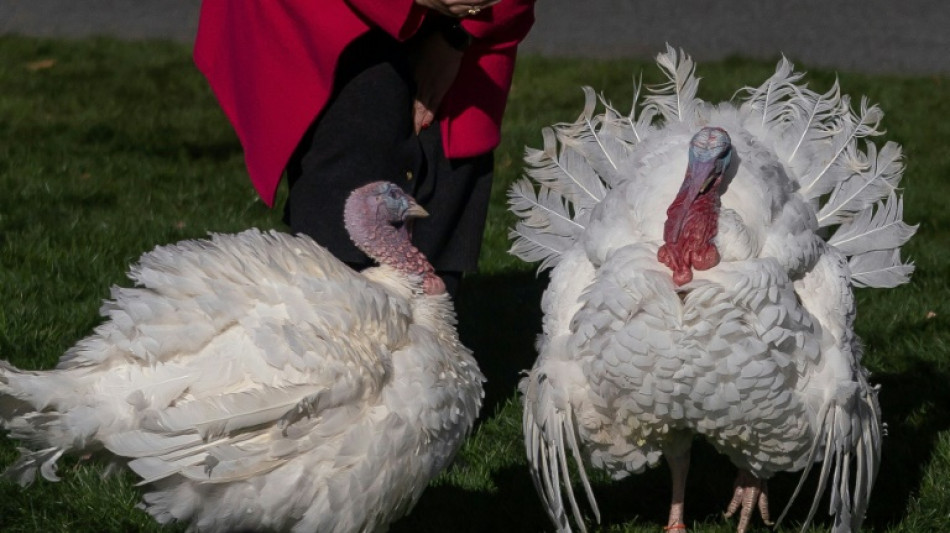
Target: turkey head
{"x": 377, "y": 217}
{"x": 692, "y": 218}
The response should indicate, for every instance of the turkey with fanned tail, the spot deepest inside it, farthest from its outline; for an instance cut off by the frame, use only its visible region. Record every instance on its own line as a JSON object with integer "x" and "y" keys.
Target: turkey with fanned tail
{"x": 254, "y": 382}
{"x": 702, "y": 263}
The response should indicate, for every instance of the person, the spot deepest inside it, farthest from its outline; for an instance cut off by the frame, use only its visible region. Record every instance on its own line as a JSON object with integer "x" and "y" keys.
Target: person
{"x": 338, "y": 93}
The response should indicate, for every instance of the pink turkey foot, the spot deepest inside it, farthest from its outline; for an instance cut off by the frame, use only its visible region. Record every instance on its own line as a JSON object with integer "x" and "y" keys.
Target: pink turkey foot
{"x": 749, "y": 492}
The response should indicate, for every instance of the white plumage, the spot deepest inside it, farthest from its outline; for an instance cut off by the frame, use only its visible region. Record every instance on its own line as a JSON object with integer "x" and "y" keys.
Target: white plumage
{"x": 254, "y": 382}
{"x": 748, "y": 341}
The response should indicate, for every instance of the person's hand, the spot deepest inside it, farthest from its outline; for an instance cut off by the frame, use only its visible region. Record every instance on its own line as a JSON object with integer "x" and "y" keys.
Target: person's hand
{"x": 456, "y": 8}
{"x": 436, "y": 65}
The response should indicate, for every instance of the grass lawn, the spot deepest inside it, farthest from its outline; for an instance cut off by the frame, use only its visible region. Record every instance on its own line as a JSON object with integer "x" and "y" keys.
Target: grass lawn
{"x": 108, "y": 149}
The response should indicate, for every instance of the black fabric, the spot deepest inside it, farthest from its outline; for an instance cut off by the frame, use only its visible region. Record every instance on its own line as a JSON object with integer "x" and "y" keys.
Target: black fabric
{"x": 364, "y": 134}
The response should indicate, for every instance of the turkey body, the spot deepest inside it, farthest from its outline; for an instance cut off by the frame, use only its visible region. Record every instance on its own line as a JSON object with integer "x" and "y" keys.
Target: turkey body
{"x": 755, "y": 351}
{"x": 254, "y": 382}
{"x": 720, "y": 358}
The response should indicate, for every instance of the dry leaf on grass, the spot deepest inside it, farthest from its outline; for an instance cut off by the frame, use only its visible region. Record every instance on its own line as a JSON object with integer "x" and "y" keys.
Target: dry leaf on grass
{"x": 41, "y": 64}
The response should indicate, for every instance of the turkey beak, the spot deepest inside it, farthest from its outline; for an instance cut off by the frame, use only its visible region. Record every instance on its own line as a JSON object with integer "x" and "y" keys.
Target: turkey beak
{"x": 416, "y": 211}
{"x": 701, "y": 176}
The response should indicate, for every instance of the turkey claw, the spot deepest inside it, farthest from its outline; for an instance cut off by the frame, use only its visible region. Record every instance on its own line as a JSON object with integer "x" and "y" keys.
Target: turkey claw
{"x": 748, "y": 494}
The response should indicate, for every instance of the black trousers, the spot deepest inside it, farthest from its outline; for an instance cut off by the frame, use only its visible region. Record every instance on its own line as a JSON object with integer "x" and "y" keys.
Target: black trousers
{"x": 364, "y": 134}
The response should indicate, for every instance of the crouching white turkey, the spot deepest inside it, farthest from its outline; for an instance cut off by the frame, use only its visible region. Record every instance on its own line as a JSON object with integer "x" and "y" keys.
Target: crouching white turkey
{"x": 702, "y": 277}
{"x": 255, "y": 382}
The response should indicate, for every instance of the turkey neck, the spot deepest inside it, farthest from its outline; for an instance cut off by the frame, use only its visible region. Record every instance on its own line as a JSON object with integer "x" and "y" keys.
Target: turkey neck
{"x": 390, "y": 246}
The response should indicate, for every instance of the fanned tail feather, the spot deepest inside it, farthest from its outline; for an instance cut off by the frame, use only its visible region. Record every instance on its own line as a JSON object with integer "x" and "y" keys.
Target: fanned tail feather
{"x": 564, "y": 170}
{"x": 769, "y": 101}
{"x": 676, "y": 99}
{"x": 785, "y": 109}
{"x": 881, "y": 228}
{"x": 872, "y": 239}
{"x": 572, "y": 172}
{"x": 879, "y": 269}
{"x": 601, "y": 149}
{"x": 629, "y": 128}
{"x": 811, "y": 117}
{"x": 547, "y": 227}
{"x": 817, "y": 135}
{"x": 875, "y": 176}
{"x": 836, "y": 165}
{"x": 869, "y": 213}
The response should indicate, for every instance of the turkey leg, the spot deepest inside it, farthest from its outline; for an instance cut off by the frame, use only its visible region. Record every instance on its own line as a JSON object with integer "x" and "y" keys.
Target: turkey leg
{"x": 677, "y": 457}
{"x": 749, "y": 492}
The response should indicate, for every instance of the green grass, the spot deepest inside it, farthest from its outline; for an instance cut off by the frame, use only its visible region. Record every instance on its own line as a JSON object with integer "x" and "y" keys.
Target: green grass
{"x": 108, "y": 149}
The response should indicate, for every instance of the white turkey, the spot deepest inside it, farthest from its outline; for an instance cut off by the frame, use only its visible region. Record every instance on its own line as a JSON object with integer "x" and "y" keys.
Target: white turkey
{"x": 718, "y": 305}
{"x": 254, "y": 382}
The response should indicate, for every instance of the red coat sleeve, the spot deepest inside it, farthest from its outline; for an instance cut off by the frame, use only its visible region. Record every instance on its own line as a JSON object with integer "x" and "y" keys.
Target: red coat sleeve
{"x": 505, "y": 22}
{"x": 472, "y": 110}
{"x": 399, "y": 18}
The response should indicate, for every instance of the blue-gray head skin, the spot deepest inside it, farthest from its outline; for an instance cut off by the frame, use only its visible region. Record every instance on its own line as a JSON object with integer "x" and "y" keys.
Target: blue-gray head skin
{"x": 393, "y": 205}
{"x": 692, "y": 218}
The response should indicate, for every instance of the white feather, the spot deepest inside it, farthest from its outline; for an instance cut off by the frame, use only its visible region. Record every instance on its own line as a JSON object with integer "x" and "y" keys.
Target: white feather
{"x": 564, "y": 171}
{"x": 547, "y": 227}
{"x": 139, "y": 443}
{"x": 881, "y": 228}
{"x": 768, "y": 103}
{"x": 225, "y": 413}
{"x": 875, "y": 176}
{"x": 599, "y": 149}
{"x": 879, "y": 268}
{"x": 676, "y": 99}
{"x": 836, "y": 163}
{"x": 630, "y": 128}
{"x": 811, "y": 118}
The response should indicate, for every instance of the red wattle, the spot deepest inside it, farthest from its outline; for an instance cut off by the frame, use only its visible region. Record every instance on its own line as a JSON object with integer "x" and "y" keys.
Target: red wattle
{"x": 693, "y": 247}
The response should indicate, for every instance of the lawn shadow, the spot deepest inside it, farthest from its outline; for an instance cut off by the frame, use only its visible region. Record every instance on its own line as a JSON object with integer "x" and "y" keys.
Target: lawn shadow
{"x": 217, "y": 151}
{"x": 913, "y": 406}
{"x": 500, "y": 319}
{"x": 513, "y": 506}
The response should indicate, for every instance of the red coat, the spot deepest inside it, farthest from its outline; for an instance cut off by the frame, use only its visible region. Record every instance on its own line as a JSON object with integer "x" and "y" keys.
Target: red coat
{"x": 271, "y": 64}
